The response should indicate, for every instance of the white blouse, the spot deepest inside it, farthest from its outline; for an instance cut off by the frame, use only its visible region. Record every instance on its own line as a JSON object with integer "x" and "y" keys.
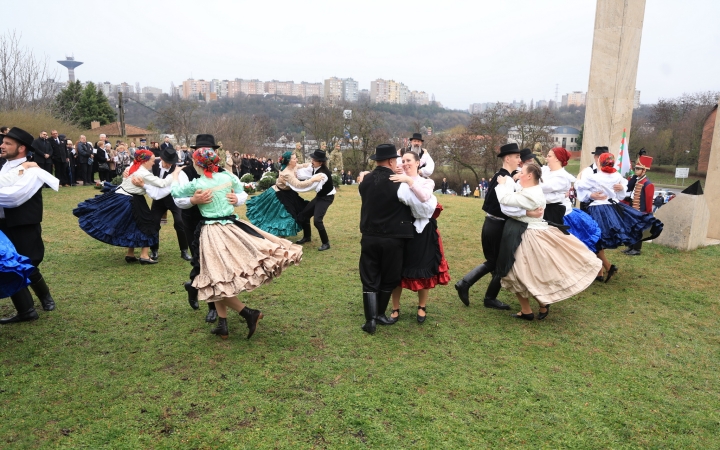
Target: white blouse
{"x": 128, "y": 188}
{"x": 528, "y": 199}
{"x": 603, "y": 183}
{"x": 420, "y": 199}
{"x": 555, "y": 186}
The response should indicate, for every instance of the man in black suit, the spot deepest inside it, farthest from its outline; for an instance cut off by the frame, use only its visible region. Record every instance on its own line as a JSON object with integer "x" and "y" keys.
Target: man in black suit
{"x": 318, "y": 206}
{"x": 58, "y": 157}
{"x": 84, "y": 166}
{"x": 43, "y": 152}
{"x": 385, "y": 224}
{"x": 21, "y": 225}
{"x": 162, "y": 168}
{"x": 167, "y": 144}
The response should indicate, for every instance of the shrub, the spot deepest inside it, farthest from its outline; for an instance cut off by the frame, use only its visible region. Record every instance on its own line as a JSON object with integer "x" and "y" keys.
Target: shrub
{"x": 249, "y": 188}
{"x": 265, "y": 183}
{"x": 247, "y": 178}
{"x": 336, "y": 180}
{"x": 117, "y": 180}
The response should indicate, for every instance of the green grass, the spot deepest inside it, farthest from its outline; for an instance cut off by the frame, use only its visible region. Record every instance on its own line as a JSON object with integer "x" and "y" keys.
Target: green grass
{"x": 125, "y": 363}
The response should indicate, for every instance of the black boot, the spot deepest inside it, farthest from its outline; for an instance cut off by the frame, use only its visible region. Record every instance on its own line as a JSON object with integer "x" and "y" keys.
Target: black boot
{"x": 153, "y": 254}
{"x": 370, "y": 307}
{"x": 41, "y": 290}
{"x": 192, "y": 295}
{"x": 221, "y": 329}
{"x": 212, "y": 313}
{"x": 25, "y": 307}
{"x": 252, "y": 317}
{"x": 463, "y": 286}
{"x": 325, "y": 241}
{"x": 382, "y": 303}
{"x": 185, "y": 254}
{"x": 491, "y": 294}
{"x": 307, "y": 234}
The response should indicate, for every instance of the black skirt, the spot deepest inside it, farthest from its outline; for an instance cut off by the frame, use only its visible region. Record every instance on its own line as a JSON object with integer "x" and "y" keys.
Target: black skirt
{"x": 292, "y": 201}
{"x": 422, "y": 255}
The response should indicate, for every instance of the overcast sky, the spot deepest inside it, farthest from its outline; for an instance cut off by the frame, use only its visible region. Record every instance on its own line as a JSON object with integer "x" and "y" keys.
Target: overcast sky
{"x": 462, "y": 51}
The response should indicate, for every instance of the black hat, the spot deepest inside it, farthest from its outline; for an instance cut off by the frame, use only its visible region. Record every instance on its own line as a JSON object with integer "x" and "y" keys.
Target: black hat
{"x": 508, "y": 149}
{"x": 417, "y": 136}
{"x": 22, "y": 136}
{"x": 205, "y": 140}
{"x": 319, "y": 155}
{"x": 169, "y": 155}
{"x": 600, "y": 150}
{"x": 526, "y": 155}
{"x": 384, "y": 151}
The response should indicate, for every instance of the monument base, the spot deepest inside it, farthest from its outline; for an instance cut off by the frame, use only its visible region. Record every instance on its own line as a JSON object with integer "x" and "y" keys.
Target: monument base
{"x": 685, "y": 219}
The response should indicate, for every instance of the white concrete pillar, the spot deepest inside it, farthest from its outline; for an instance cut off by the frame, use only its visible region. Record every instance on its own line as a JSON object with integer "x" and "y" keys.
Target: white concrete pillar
{"x": 712, "y": 183}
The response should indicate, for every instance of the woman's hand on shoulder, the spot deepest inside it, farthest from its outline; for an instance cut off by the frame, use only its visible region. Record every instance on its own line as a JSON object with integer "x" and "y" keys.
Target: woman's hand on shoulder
{"x": 401, "y": 178}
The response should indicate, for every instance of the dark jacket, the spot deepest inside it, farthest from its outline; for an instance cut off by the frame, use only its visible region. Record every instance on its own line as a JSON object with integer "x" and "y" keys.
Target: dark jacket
{"x": 492, "y": 205}
{"x": 42, "y": 147}
{"x": 328, "y": 186}
{"x": 381, "y": 213}
{"x": 165, "y": 145}
{"x": 84, "y": 151}
{"x": 58, "y": 150}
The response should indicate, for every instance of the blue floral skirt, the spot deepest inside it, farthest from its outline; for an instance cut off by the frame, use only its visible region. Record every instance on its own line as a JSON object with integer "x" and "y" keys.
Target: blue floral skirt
{"x": 623, "y": 225}
{"x": 583, "y": 227}
{"x": 118, "y": 219}
{"x": 14, "y": 268}
{"x": 271, "y": 215}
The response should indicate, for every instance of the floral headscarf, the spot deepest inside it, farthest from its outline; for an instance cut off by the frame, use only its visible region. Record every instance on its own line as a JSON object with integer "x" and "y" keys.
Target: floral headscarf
{"x": 207, "y": 159}
{"x": 141, "y": 156}
{"x": 285, "y": 160}
{"x": 607, "y": 163}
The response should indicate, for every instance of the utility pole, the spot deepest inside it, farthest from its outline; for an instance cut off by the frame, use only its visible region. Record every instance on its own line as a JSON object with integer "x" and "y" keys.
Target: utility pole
{"x": 121, "y": 107}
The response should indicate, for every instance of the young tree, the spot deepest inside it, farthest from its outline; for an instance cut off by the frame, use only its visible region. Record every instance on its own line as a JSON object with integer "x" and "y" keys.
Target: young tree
{"x": 65, "y": 105}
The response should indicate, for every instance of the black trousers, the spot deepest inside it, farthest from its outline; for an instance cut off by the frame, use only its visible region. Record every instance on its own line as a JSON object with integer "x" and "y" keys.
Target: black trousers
{"x": 190, "y": 221}
{"x": 28, "y": 242}
{"x": 492, "y": 233}
{"x": 45, "y": 163}
{"x": 85, "y": 172}
{"x": 160, "y": 207}
{"x": 381, "y": 260}
{"x": 317, "y": 208}
{"x": 61, "y": 172}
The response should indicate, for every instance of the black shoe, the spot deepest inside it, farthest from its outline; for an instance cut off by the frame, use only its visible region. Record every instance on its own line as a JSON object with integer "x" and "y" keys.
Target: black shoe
{"x": 632, "y": 252}
{"x": 611, "y": 272}
{"x": 394, "y": 319}
{"x": 144, "y": 261}
{"x": 211, "y": 316}
{"x": 420, "y": 318}
{"x": 130, "y": 259}
{"x": 221, "y": 329}
{"x": 24, "y": 305}
{"x": 542, "y": 315}
{"x": 252, "y": 317}
{"x": 26, "y": 317}
{"x": 41, "y": 290}
{"x": 302, "y": 241}
{"x": 495, "y": 303}
{"x": 324, "y": 247}
{"x": 463, "y": 286}
{"x": 184, "y": 254}
{"x": 599, "y": 278}
{"x": 523, "y": 316}
{"x": 153, "y": 255}
{"x": 627, "y": 249}
{"x": 383, "y": 299}
{"x": 192, "y": 295}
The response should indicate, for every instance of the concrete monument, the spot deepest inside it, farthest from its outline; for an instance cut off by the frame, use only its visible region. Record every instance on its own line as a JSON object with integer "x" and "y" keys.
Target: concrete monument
{"x": 712, "y": 184}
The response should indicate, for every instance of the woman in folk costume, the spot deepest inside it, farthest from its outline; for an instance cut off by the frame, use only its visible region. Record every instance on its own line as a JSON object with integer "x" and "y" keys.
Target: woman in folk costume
{"x": 424, "y": 264}
{"x": 234, "y": 255}
{"x": 538, "y": 259}
{"x": 619, "y": 223}
{"x": 276, "y": 209}
{"x": 121, "y": 216}
{"x": 556, "y": 185}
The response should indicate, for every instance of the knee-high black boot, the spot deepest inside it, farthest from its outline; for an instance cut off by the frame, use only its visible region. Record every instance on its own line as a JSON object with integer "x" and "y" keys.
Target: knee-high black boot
{"x": 370, "y": 308}
{"x": 25, "y": 306}
{"x": 463, "y": 286}
{"x": 38, "y": 285}
{"x": 382, "y": 303}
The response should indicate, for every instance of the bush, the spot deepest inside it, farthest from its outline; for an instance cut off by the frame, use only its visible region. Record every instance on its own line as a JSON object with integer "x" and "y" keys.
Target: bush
{"x": 117, "y": 180}
{"x": 247, "y": 178}
{"x": 265, "y": 183}
{"x": 249, "y": 188}
{"x": 336, "y": 180}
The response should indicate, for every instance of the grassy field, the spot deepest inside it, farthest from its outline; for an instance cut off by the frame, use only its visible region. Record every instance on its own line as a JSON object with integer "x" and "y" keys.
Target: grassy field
{"x": 125, "y": 363}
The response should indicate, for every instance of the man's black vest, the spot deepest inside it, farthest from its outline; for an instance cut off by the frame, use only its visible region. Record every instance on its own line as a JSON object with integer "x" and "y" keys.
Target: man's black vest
{"x": 29, "y": 213}
{"x": 381, "y": 213}
{"x": 328, "y": 186}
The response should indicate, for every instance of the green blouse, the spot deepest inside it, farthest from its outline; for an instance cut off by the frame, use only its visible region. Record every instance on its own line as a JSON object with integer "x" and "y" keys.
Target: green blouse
{"x": 221, "y": 183}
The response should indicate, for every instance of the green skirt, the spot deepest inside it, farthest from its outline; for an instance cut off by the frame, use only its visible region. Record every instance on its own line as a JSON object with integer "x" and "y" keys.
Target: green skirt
{"x": 273, "y": 216}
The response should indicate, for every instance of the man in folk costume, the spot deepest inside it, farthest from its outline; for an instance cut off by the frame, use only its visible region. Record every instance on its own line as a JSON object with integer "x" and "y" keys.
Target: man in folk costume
{"x": 427, "y": 165}
{"x": 642, "y": 194}
{"x": 21, "y": 212}
{"x": 317, "y": 207}
{"x": 160, "y": 206}
{"x": 492, "y": 232}
{"x": 385, "y": 224}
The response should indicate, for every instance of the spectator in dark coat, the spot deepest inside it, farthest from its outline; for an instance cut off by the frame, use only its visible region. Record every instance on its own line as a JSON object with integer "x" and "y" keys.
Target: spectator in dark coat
{"x": 43, "y": 152}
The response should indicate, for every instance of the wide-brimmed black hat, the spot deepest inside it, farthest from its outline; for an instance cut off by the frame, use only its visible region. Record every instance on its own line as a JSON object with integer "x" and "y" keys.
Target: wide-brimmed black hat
{"x": 526, "y": 154}
{"x": 169, "y": 155}
{"x": 509, "y": 149}
{"x": 384, "y": 151}
{"x": 22, "y": 136}
{"x": 205, "y": 140}
{"x": 600, "y": 150}
{"x": 319, "y": 155}
{"x": 417, "y": 136}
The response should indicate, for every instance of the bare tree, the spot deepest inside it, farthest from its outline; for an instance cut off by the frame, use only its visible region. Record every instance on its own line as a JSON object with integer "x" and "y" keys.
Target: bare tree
{"x": 238, "y": 132}
{"x": 367, "y": 131}
{"x": 25, "y": 81}
{"x": 490, "y": 129}
{"x": 180, "y": 118}
{"x": 322, "y": 121}
{"x": 530, "y": 127}
{"x": 461, "y": 149}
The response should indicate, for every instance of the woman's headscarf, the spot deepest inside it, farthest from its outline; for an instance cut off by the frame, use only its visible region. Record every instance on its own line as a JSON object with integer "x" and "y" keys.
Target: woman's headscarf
{"x": 285, "y": 160}
{"x": 607, "y": 163}
{"x": 562, "y": 155}
{"x": 141, "y": 156}
{"x": 207, "y": 159}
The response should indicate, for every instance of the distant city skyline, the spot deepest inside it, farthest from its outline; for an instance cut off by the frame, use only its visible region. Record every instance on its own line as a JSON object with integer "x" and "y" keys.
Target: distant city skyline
{"x": 460, "y": 52}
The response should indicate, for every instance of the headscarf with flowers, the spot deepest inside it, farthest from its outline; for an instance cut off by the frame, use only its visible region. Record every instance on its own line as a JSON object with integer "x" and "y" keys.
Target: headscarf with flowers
{"x": 207, "y": 159}
{"x": 285, "y": 160}
{"x": 607, "y": 163}
{"x": 141, "y": 156}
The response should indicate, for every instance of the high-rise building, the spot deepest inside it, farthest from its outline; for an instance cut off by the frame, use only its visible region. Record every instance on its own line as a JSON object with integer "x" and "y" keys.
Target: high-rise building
{"x": 219, "y": 87}
{"x": 333, "y": 90}
{"x": 575, "y": 98}
{"x": 350, "y": 90}
{"x": 276, "y": 87}
{"x": 389, "y": 91}
{"x": 195, "y": 89}
{"x": 419, "y": 98}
